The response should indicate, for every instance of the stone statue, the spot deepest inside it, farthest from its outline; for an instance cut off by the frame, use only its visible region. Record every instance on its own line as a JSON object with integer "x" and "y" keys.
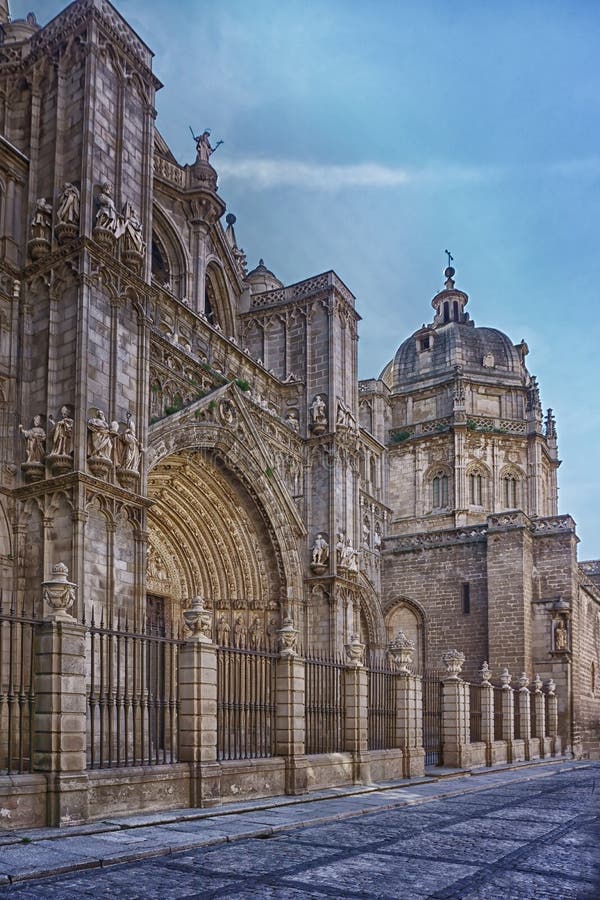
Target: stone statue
{"x": 132, "y": 231}
{"x": 560, "y": 636}
{"x": 292, "y": 421}
{"x": 255, "y": 630}
{"x": 223, "y": 631}
{"x": 67, "y": 209}
{"x": 377, "y": 538}
{"x": 100, "y": 436}
{"x": 107, "y": 216}
{"x": 339, "y": 548}
{"x": 366, "y": 537}
{"x": 320, "y": 551}
{"x": 318, "y": 413}
{"x": 344, "y": 417}
{"x": 62, "y": 437}
{"x": 204, "y": 150}
{"x": 131, "y": 449}
{"x": 41, "y": 224}
{"x": 34, "y": 441}
{"x": 239, "y": 632}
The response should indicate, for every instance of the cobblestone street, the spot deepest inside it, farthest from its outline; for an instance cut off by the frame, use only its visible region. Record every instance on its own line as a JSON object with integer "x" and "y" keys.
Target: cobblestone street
{"x": 536, "y": 838}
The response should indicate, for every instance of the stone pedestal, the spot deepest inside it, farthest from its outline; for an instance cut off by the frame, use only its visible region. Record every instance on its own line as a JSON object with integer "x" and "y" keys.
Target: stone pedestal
{"x": 487, "y": 720}
{"x": 198, "y": 719}
{"x": 456, "y": 729}
{"x": 59, "y": 725}
{"x": 540, "y": 716}
{"x": 409, "y": 723}
{"x": 525, "y": 722}
{"x": 356, "y": 735}
{"x": 290, "y": 725}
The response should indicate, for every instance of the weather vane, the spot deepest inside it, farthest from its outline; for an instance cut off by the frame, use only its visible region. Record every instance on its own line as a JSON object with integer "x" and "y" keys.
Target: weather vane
{"x": 450, "y": 257}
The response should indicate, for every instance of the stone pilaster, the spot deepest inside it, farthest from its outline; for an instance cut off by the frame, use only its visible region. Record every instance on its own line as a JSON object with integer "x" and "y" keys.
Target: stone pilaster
{"x": 487, "y": 719}
{"x": 508, "y": 715}
{"x": 290, "y": 696}
{"x": 540, "y": 714}
{"x": 356, "y": 725}
{"x": 553, "y": 718}
{"x": 409, "y": 723}
{"x": 59, "y": 744}
{"x": 198, "y": 718}
{"x": 456, "y": 736}
{"x": 525, "y": 716}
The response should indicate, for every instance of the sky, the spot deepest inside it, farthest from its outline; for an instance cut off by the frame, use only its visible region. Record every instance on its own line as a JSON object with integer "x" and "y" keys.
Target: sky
{"x": 367, "y": 136}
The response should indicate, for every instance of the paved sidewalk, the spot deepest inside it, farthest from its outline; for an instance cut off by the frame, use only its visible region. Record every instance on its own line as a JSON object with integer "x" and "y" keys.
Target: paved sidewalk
{"x": 41, "y": 852}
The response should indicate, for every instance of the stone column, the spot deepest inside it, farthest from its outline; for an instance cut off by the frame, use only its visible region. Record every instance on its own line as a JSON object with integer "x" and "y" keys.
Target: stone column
{"x": 555, "y": 747}
{"x": 487, "y": 712}
{"x": 456, "y": 736}
{"x": 290, "y": 724}
{"x": 508, "y": 714}
{"x": 198, "y": 707}
{"x": 540, "y": 714}
{"x": 59, "y": 722}
{"x": 356, "y": 697}
{"x": 525, "y": 713}
{"x": 409, "y": 707}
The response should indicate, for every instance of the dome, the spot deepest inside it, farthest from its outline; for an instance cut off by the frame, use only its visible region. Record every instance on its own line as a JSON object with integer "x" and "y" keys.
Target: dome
{"x": 435, "y": 351}
{"x": 262, "y": 279}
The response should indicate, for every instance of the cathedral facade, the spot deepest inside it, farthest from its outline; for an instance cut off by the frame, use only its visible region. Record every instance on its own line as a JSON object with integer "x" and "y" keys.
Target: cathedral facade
{"x": 174, "y": 426}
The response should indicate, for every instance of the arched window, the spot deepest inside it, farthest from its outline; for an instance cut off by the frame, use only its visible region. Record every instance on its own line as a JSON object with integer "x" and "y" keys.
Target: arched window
{"x": 455, "y": 310}
{"x": 510, "y": 492}
{"x": 446, "y": 311}
{"x": 439, "y": 487}
{"x": 373, "y": 472}
{"x": 476, "y": 489}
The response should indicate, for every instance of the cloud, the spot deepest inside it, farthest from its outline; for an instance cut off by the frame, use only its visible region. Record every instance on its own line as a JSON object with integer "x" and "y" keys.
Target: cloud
{"x": 260, "y": 173}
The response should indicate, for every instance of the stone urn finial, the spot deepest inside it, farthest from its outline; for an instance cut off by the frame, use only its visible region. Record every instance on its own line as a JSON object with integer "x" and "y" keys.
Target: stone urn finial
{"x": 288, "y": 637}
{"x": 355, "y": 651}
{"x": 486, "y": 673}
{"x": 454, "y": 661}
{"x": 505, "y": 678}
{"x": 538, "y": 683}
{"x": 551, "y": 685}
{"x": 59, "y": 593}
{"x": 401, "y": 650}
{"x": 523, "y": 681}
{"x": 198, "y": 621}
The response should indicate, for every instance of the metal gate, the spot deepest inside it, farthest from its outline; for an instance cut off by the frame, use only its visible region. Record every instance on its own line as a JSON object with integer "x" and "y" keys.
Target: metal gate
{"x": 432, "y": 718}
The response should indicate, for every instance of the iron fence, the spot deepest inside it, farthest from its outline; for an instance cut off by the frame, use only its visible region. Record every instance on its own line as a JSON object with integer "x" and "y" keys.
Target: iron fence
{"x": 324, "y": 704}
{"x": 498, "y": 717}
{"x": 381, "y": 711}
{"x": 432, "y": 717}
{"x": 245, "y": 703}
{"x": 132, "y": 696}
{"x": 475, "y": 712}
{"x": 17, "y": 698}
{"x": 517, "y": 715}
{"x": 533, "y": 715}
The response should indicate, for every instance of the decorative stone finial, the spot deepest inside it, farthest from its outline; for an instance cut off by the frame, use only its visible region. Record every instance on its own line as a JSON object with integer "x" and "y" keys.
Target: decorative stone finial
{"x": 288, "y": 637}
{"x": 486, "y": 673}
{"x": 523, "y": 682}
{"x": 59, "y": 593}
{"x": 505, "y": 678}
{"x": 355, "y": 651}
{"x": 551, "y": 686}
{"x": 454, "y": 661}
{"x": 401, "y": 650}
{"x": 538, "y": 683}
{"x": 198, "y": 621}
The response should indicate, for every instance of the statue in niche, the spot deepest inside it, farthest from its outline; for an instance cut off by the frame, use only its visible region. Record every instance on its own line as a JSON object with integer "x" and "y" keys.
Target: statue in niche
{"x": 339, "y": 547}
{"x": 223, "y": 631}
{"x": 320, "y": 553}
{"x": 318, "y": 413}
{"x": 107, "y": 217}
{"x": 366, "y": 535}
{"x": 272, "y": 629}
{"x": 239, "y": 632}
{"x": 132, "y": 231}
{"x": 377, "y": 537}
{"x": 67, "y": 209}
{"x": 561, "y": 636}
{"x": 100, "y": 436}
{"x": 62, "y": 436}
{"x": 130, "y": 455}
{"x": 344, "y": 417}
{"x": 255, "y": 632}
{"x": 35, "y": 438}
{"x": 41, "y": 224}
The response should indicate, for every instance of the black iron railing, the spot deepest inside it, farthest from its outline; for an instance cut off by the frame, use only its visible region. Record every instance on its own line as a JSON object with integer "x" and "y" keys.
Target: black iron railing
{"x": 381, "y": 715}
{"x": 324, "y": 704}
{"x": 475, "y": 691}
{"x": 17, "y": 625}
{"x": 245, "y": 703}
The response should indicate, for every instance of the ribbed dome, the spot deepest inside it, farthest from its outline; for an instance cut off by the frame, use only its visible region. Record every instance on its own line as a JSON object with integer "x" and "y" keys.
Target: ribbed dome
{"x": 262, "y": 279}
{"x": 437, "y": 350}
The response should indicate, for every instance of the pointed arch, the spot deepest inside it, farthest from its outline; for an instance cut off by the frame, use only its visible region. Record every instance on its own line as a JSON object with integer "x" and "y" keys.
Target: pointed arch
{"x": 218, "y": 303}
{"x": 170, "y": 260}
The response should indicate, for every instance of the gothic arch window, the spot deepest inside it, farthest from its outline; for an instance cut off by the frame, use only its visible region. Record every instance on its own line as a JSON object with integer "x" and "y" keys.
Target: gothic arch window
{"x": 169, "y": 260}
{"x": 440, "y": 490}
{"x": 373, "y": 472}
{"x": 217, "y": 305}
{"x": 446, "y": 311}
{"x": 477, "y": 485}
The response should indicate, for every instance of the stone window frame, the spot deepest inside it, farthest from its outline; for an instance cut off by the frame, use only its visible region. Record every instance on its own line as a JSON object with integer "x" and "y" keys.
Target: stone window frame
{"x": 478, "y": 493}
{"x": 511, "y": 488}
{"x": 440, "y": 488}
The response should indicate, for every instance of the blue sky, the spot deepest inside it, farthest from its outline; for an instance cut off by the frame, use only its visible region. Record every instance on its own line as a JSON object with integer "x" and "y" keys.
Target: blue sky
{"x": 369, "y": 136}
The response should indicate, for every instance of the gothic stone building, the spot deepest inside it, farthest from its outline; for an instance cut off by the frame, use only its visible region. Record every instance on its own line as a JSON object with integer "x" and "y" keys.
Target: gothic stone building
{"x": 174, "y": 426}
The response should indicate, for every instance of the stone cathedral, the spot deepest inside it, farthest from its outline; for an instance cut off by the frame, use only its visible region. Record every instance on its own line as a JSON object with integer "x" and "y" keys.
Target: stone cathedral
{"x": 174, "y": 425}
